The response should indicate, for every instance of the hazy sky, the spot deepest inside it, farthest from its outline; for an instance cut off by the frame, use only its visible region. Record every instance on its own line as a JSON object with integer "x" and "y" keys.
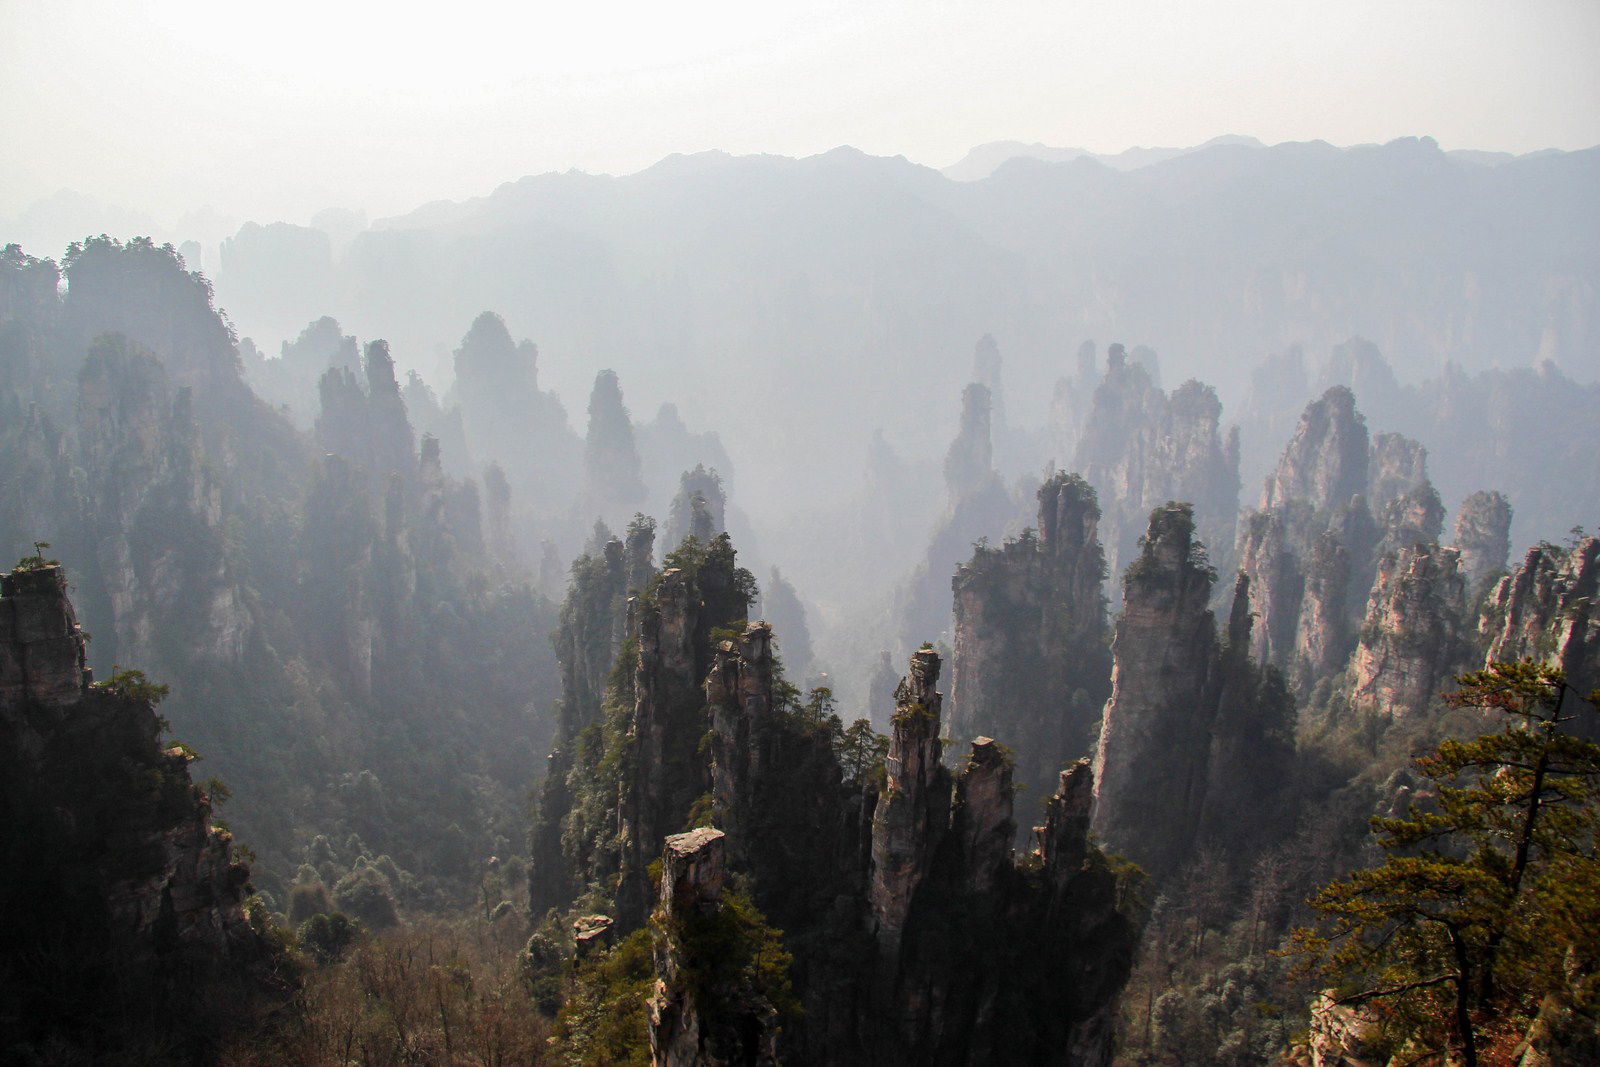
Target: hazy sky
{"x": 275, "y": 110}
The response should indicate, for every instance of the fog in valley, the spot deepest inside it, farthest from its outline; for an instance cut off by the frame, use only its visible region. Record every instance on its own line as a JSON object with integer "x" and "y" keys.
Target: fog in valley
{"x": 675, "y": 524}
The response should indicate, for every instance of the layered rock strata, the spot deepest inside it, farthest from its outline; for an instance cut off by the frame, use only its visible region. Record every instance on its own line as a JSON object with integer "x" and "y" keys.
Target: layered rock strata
{"x": 1412, "y": 642}
{"x": 1337, "y": 509}
{"x": 1548, "y": 610}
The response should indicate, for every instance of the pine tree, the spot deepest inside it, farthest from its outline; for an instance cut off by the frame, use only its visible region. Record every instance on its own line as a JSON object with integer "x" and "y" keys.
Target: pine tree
{"x": 1489, "y": 901}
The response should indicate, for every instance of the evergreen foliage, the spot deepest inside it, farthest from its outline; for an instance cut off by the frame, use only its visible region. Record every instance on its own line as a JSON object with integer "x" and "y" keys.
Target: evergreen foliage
{"x": 1489, "y": 900}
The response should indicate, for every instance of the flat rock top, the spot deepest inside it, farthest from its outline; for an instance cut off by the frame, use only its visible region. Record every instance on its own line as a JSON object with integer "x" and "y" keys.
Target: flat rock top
{"x": 693, "y": 841}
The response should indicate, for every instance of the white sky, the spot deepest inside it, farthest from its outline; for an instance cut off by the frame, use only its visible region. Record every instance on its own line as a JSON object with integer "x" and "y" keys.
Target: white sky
{"x": 275, "y": 110}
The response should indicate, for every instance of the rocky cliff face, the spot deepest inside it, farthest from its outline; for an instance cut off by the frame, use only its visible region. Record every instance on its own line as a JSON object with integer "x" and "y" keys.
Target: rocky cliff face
{"x": 913, "y": 812}
{"x": 1483, "y": 537}
{"x": 915, "y": 936}
{"x": 970, "y": 459}
{"x": 1193, "y": 729}
{"x": 1141, "y": 448}
{"x": 367, "y": 425}
{"x": 1032, "y": 660}
{"x": 156, "y": 514}
{"x": 595, "y": 622}
{"x": 1548, "y": 610}
{"x": 1326, "y": 461}
{"x": 1412, "y": 643}
{"x": 977, "y": 506}
{"x": 126, "y": 907}
{"x": 691, "y": 1024}
{"x": 971, "y": 952}
{"x": 1336, "y": 508}
{"x": 634, "y": 773}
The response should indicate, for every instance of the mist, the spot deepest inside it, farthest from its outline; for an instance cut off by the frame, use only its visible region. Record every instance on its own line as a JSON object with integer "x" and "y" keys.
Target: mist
{"x": 746, "y": 536}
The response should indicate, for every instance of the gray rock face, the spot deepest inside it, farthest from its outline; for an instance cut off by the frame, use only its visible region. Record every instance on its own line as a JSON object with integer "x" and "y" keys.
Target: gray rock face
{"x": 1032, "y": 659}
{"x": 41, "y": 645}
{"x": 1397, "y": 467}
{"x": 982, "y": 815}
{"x": 1326, "y": 462}
{"x": 913, "y": 811}
{"x": 693, "y": 868}
{"x": 1064, "y": 837}
{"x": 685, "y": 1029}
{"x": 943, "y": 887}
{"x": 1141, "y": 448}
{"x": 1412, "y": 640}
{"x": 1331, "y": 512}
{"x": 971, "y": 456}
{"x": 139, "y": 440}
{"x": 1483, "y": 537}
{"x": 1548, "y": 610}
{"x": 1150, "y": 766}
{"x": 1195, "y": 735}
{"x": 613, "y": 486}
{"x": 739, "y": 694}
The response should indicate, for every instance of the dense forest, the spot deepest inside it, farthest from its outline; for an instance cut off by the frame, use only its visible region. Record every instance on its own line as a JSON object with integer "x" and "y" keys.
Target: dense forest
{"x": 358, "y": 704}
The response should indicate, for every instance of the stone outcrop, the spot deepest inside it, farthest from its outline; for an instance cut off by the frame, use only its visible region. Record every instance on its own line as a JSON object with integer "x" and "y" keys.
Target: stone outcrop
{"x": 1337, "y": 507}
{"x": 977, "y": 506}
{"x": 1032, "y": 658}
{"x": 963, "y": 939}
{"x": 1326, "y": 461}
{"x": 367, "y": 425}
{"x": 113, "y": 862}
{"x": 1193, "y": 730}
{"x": 1344, "y": 1035}
{"x": 1548, "y": 610}
{"x": 612, "y": 795}
{"x": 1412, "y": 643}
{"x": 1483, "y": 537}
{"x": 913, "y": 812}
{"x": 694, "y": 1023}
{"x": 806, "y": 862}
{"x": 1141, "y": 448}
{"x": 156, "y": 515}
{"x": 595, "y": 622}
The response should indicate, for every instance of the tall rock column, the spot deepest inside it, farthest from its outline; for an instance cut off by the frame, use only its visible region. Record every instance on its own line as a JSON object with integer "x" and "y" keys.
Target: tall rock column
{"x": 1032, "y": 660}
{"x": 1483, "y": 537}
{"x": 739, "y": 693}
{"x": 1549, "y": 610}
{"x": 1412, "y": 639}
{"x": 1150, "y": 767}
{"x": 112, "y": 864}
{"x": 694, "y": 1021}
{"x": 913, "y": 810}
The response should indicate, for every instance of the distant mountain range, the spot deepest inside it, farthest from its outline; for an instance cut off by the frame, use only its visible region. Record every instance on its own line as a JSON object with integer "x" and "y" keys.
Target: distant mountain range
{"x": 983, "y": 160}
{"x": 797, "y": 304}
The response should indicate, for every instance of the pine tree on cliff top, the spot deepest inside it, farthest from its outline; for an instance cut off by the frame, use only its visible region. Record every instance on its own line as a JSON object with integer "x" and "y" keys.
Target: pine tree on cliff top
{"x": 1486, "y": 913}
